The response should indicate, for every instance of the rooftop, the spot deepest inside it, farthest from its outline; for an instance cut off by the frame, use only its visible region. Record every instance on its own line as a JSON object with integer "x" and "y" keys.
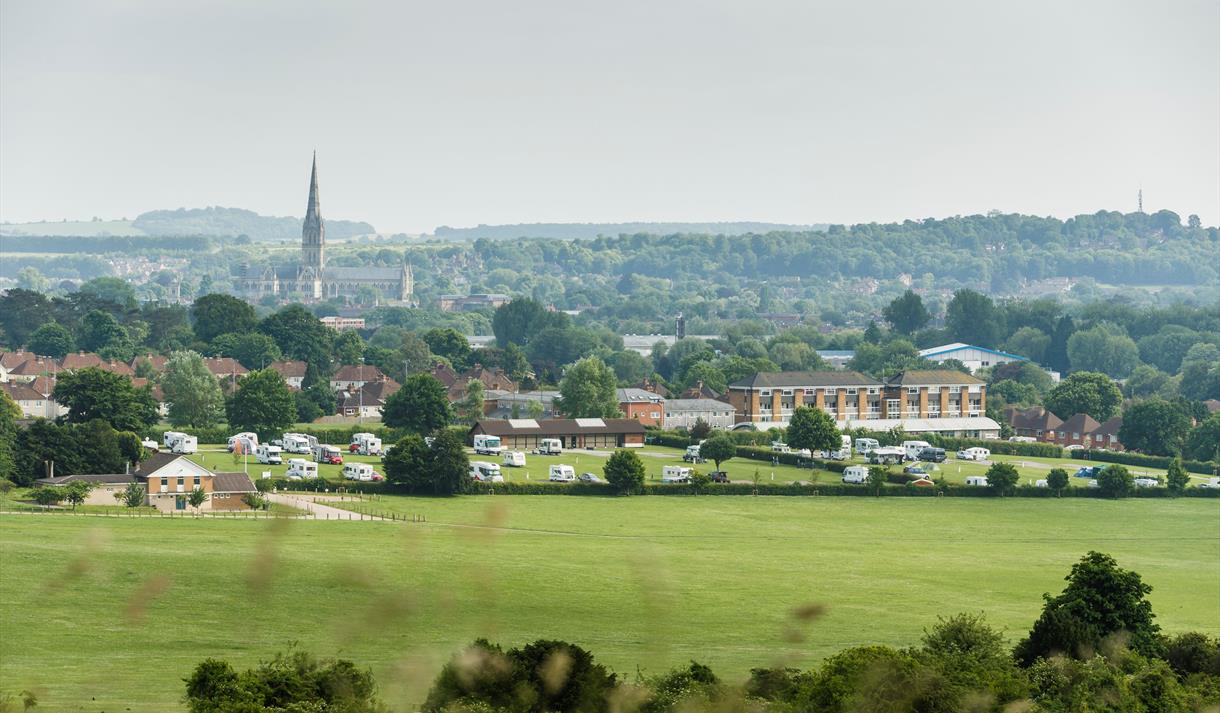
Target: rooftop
{"x": 806, "y": 379}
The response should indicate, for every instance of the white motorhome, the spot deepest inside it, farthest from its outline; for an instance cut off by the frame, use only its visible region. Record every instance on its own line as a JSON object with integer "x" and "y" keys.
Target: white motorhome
{"x": 692, "y": 454}
{"x": 516, "y": 459}
{"x": 779, "y": 446}
{"x": 359, "y": 471}
{"x": 912, "y": 448}
{"x": 563, "y": 474}
{"x": 973, "y": 454}
{"x": 168, "y": 438}
{"x": 855, "y": 474}
{"x": 248, "y": 439}
{"x": 269, "y": 454}
{"x": 180, "y": 443}
{"x": 296, "y": 443}
{"x": 487, "y": 445}
{"x": 550, "y": 447}
{"x": 977, "y": 480}
{"x": 301, "y": 469}
{"x": 366, "y": 444}
{"x": 675, "y": 474}
{"x": 485, "y": 472}
{"x": 865, "y": 445}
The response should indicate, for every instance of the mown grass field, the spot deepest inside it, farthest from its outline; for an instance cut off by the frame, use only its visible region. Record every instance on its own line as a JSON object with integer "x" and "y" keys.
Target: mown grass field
{"x": 110, "y": 614}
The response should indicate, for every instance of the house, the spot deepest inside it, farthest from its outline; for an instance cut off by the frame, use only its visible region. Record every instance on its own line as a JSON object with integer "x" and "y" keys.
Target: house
{"x": 87, "y": 360}
{"x": 33, "y": 368}
{"x": 517, "y": 405}
{"x": 340, "y": 323}
{"x": 470, "y": 303}
{"x": 368, "y": 400}
{"x": 973, "y": 357}
{"x": 650, "y": 385}
{"x": 643, "y": 406}
{"x": 155, "y": 361}
{"x": 157, "y": 394}
{"x": 12, "y": 360}
{"x": 445, "y": 374}
{"x": 1034, "y": 422}
{"x": 684, "y": 413}
{"x": 350, "y": 378}
{"x": 1106, "y": 435}
{"x": 946, "y": 402}
{"x": 32, "y": 403}
{"x": 701, "y": 390}
{"x": 837, "y": 358}
{"x": 292, "y": 370}
{"x": 1077, "y": 431}
{"x": 168, "y": 479}
{"x": 525, "y": 433}
{"x": 492, "y": 377}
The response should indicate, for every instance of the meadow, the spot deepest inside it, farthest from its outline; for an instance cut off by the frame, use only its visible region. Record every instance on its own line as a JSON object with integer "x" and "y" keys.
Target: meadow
{"x": 111, "y": 614}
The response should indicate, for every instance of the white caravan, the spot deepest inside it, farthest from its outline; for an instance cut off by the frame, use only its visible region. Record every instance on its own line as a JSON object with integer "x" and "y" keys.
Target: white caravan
{"x": 487, "y": 445}
{"x": 269, "y": 454}
{"x": 977, "y": 480}
{"x": 301, "y": 469}
{"x": 855, "y": 474}
{"x": 515, "y": 459}
{"x": 249, "y": 439}
{"x": 180, "y": 443}
{"x": 550, "y": 447}
{"x": 973, "y": 454}
{"x": 562, "y": 474}
{"x": 675, "y": 474}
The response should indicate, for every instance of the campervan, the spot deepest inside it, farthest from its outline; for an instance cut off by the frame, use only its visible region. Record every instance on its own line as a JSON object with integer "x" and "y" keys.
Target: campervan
{"x": 150, "y": 445}
{"x": 360, "y": 471}
{"x": 168, "y": 438}
{"x": 550, "y": 447}
{"x": 779, "y": 446}
{"x": 692, "y": 455}
{"x": 979, "y": 480}
{"x": 562, "y": 474}
{"x": 973, "y": 454}
{"x": 269, "y": 454}
{"x": 855, "y": 474}
{"x": 248, "y": 439}
{"x": 366, "y": 444}
{"x": 301, "y": 469}
{"x": 844, "y": 452}
{"x": 865, "y": 445}
{"x": 485, "y": 472}
{"x": 323, "y": 453}
{"x": 516, "y": 459}
{"x": 295, "y": 443}
{"x": 487, "y": 445}
{"x": 675, "y": 474}
{"x": 912, "y": 448}
{"x": 181, "y": 443}
{"x": 887, "y": 455}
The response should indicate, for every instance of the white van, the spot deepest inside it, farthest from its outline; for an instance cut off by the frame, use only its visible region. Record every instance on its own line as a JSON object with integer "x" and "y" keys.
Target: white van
{"x": 973, "y": 454}
{"x": 487, "y": 445}
{"x": 295, "y": 443}
{"x": 516, "y": 459}
{"x": 562, "y": 474}
{"x": 301, "y": 469}
{"x": 978, "y": 480}
{"x": 913, "y": 448}
{"x": 550, "y": 447}
{"x": 485, "y": 472}
{"x": 269, "y": 454}
{"x": 864, "y": 446}
{"x": 855, "y": 474}
{"x": 360, "y": 471}
{"x": 675, "y": 474}
{"x": 250, "y": 440}
{"x": 366, "y": 444}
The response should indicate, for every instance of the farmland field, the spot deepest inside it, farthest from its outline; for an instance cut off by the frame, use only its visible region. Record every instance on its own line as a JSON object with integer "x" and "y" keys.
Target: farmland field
{"x": 111, "y": 614}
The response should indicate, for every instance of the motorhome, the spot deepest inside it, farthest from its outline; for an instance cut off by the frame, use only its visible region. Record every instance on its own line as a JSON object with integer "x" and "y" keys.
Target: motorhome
{"x": 692, "y": 454}
{"x": 779, "y": 446}
{"x": 323, "y": 453}
{"x": 182, "y": 443}
{"x": 150, "y": 445}
{"x": 887, "y": 455}
{"x": 563, "y": 474}
{"x": 247, "y": 439}
{"x": 912, "y": 448}
{"x": 366, "y": 444}
{"x": 301, "y": 469}
{"x": 516, "y": 459}
{"x": 168, "y": 438}
{"x": 977, "y": 480}
{"x": 844, "y": 451}
{"x": 865, "y": 445}
{"x": 269, "y": 454}
{"x": 360, "y": 471}
{"x": 487, "y": 445}
{"x": 855, "y": 474}
{"x": 973, "y": 454}
{"x": 485, "y": 472}
{"x": 675, "y": 474}
{"x": 295, "y": 443}
{"x": 550, "y": 447}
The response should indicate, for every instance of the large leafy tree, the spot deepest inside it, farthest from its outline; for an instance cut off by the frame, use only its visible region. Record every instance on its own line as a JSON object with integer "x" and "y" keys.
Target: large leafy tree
{"x": 1203, "y": 443}
{"x": 1002, "y": 478}
{"x": 100, "y": 331}
{"x": 217, "y": 314}
{"x": 1105, "y": 348}
{"x": 407, "y": 464}
{"x": 813, "y": 429}
{"x": 718, "y": 448}
{"x": 972, "y": 317}
{"x": 9, "y": 413}
{"x": 470, "y": 408}
{"x": 907, "y": 313}
{"x": 420, "y": 406}
{"x": 624, "y": 471}
{"x": 51, "y": 339}
{"x": 451, "y": 344}
{"x": 194, "y": 396}
{"x": 22, "y": 312}
{"x": 1155, "y": 427}
{"x": 1201, "y": 372}
{"x": 253, "y": 350}
{"x": 301, "y": 335}
{"x": 1085, "y": 392}
{"x": 1100, "y": 599}
{"x": 449, "y": 467}
{"x": 262, "y": 403}
{"x": 96, "y": 394}
{"x": 1114, "y": 481}
{"x": 521, "y": 319}
{"x": 349, "y": 347}
{"x": 588, "y": 390}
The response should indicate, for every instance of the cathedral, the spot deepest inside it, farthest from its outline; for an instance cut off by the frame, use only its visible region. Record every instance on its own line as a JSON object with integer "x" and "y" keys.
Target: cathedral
{"x": 312, "y": 279}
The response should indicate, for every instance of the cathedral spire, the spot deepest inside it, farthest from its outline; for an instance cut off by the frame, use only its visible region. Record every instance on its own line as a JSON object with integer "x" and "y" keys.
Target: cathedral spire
{"x": 314, "y": 209}
{"x": 313, "y": 235}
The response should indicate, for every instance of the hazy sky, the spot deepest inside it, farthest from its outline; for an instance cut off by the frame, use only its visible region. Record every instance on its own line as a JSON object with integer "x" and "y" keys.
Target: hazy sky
{"x": 461, "y": 113}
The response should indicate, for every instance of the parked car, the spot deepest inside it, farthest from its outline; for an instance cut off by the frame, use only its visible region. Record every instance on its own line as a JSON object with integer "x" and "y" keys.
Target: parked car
{"x": 975, "y": 454}
{"x": 718, "y": 476}
{"x": 915, "y": 469}
{"x": 590, "y": 478}
{"x": 932, "y": 455}
{"x": 1211, "y": 483}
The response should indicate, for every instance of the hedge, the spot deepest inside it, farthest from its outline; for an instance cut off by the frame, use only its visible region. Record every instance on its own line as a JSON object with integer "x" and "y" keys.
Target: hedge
{"x": 1139, "y": 459}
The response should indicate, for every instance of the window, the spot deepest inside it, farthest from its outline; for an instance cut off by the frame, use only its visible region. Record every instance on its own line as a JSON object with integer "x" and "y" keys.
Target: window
{"x": 655, "y": 414}
{"x": 196, "y": 481}
{"x": 912, "y": 389}
{"x": 955, "y": 389}
{"x": 181, "y": 484}
{"x": 851, "y": 392}
{"x": 765, "y": 392}
{"x": 787, "y": 392}
{"x": 874, "y": 390}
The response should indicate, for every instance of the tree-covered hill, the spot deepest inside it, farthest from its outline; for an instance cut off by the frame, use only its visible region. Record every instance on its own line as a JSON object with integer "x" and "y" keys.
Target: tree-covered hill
{"x": 577, "y": 231}
{"x": 218, "y": 221}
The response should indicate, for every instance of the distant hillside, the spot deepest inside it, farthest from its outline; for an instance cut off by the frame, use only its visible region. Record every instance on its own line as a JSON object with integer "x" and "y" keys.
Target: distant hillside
{"x": 572, "y": 231}
{"x": 209, "y": 222}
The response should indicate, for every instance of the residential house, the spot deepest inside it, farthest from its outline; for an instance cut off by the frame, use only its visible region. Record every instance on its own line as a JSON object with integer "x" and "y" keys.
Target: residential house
{"x": 1077, "y": 431}
{"x": 517, "y": 405}
{"x": 701, "y": 390}
{"x": 12, "y": 360}
{"x": 1106, "y": 435}
{"x": 292, "y": 370}
{"x": 367, "y": 401}
{"x": 643, "y": 406}
{"x": 156, "y": 362}
{"x": 33, "y": 368}
{"x": 973, "y": 357}
{"x": 650, "y": 385}
{"x": 1034, "y": 422}
{"x": 87, "y": 360}
{"x": 350, "y": 378}
{"x": 837, "y": 358}
{"x": 339, "y": 323}
{"x": 684, "y": 413}
{"x": 32, "y": 403}
{"x": 470, "y": 303}
{"x": 168, "y": 479}
{"x": 227, "y": 370}
{"x": 525, "y": 433}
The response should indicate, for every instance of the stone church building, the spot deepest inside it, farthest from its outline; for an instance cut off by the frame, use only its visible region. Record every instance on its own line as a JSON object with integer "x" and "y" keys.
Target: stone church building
{"x": 312, "y": 279}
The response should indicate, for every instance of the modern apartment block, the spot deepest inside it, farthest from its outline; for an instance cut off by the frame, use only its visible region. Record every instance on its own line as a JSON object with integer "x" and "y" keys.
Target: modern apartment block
{"x": 936, "y": 401}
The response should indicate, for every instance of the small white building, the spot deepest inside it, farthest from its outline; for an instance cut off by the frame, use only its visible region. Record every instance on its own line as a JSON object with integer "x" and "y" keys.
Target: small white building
{"x": 683, "y": 413}
{"x": 973, "y": 357}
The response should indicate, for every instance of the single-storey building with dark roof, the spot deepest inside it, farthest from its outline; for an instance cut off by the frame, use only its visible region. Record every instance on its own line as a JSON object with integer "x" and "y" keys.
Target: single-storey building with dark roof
{"x": 520, "y": 434}
{"x": 167, "y": 479}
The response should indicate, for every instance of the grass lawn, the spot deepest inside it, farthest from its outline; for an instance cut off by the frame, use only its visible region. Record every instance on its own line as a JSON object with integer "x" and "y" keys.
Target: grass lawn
{"x": 111, "y": 614}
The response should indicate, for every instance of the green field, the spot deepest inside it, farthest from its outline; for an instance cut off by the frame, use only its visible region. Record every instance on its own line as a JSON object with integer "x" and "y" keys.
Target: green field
{"x": 111, "y": 614}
